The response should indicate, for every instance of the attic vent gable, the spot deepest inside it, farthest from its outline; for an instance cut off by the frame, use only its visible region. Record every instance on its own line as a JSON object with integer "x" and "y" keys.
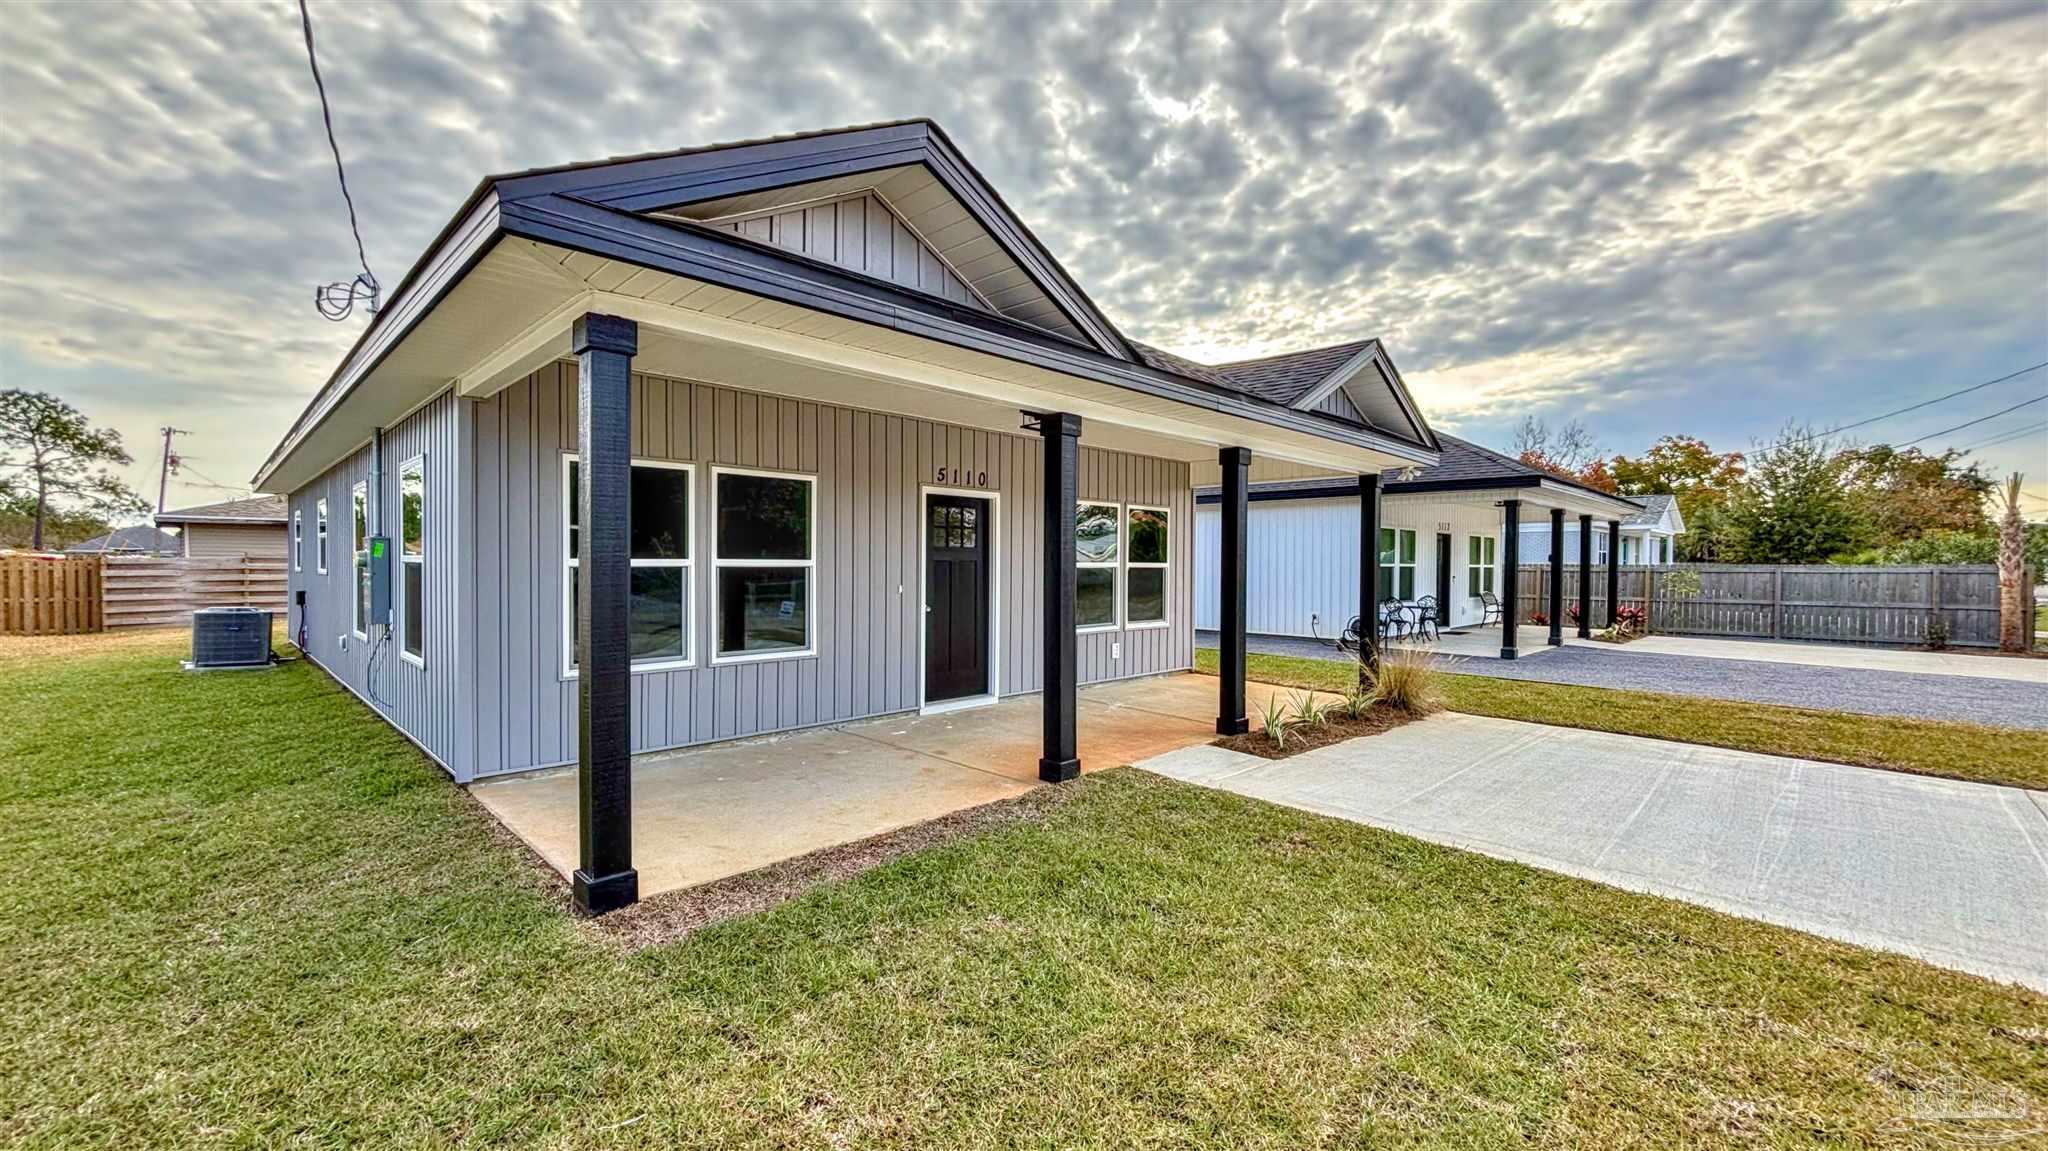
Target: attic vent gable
{"x": 897, "y": 224}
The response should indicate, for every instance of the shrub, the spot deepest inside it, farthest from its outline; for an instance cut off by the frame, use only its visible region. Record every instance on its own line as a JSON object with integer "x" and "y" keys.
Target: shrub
{"x": 1630, "y": 620}
{"x": 1937, "y": 634}
{"x": 1274, "y": 715}
{"x": 1358, "y": 701}
{"x": 1308, "y": 711}
{"x": 1539, "y": 618}
{"x": 1571, "y": 613}
{"x": 1408, "y": 679}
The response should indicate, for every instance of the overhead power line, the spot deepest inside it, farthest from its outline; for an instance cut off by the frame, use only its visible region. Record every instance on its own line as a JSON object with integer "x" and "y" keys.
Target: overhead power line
{"x": 1975, "y": 422}
{"x": 1800, "y": 439}
{"x": 338, "y": 299}
{"x": 2005, "y": 437}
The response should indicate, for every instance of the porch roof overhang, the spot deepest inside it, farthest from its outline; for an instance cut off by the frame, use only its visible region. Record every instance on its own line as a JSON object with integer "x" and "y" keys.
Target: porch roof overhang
{"x": 495, "y": 296}
{"x": 1532, "y": 491}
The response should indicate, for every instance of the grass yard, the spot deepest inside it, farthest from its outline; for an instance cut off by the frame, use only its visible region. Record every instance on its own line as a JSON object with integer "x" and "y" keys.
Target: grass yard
{"x": 246, "y": 913}
{"x": 2013, "y": 756}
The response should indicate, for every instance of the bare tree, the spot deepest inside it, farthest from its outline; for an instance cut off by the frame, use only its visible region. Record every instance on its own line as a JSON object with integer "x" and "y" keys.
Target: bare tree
{"x": 1568, "y": 448}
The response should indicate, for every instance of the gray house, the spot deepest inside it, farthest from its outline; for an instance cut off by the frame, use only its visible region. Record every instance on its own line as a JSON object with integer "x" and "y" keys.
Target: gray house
{"x": 742, "y": 439}
{"x": 232, "y": 529}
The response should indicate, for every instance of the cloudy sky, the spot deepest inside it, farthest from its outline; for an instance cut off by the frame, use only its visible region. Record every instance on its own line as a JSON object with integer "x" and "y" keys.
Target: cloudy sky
{"x": 1701, "y": 218}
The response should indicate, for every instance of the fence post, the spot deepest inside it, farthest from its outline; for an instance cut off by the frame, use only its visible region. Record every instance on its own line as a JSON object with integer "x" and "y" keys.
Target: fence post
{"x": 1777, "y": 597}
{"x": 1933, "y": 600}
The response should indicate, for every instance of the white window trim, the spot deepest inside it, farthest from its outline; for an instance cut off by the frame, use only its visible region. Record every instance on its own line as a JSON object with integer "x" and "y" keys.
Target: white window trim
{"x": 994, "y": 536}
{"x": 688, "y": 566}
{"x": 298, "y": 539}
{"x": 810, "y": 648}
{"x": 418, "y": 463}
{"x": 1388, "y": 592}
{"x": 1602, "y": 548}
{"x": 1116, "y": 596}
{"x": 1130, "y": 565}
{"x": 1488, "y": 567}
{"x": 320, "y": 535}
{"x": 358, "y": 626}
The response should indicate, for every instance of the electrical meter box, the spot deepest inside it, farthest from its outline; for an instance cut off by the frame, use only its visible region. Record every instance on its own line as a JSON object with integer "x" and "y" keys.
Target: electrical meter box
{"x": 380, "y": 580}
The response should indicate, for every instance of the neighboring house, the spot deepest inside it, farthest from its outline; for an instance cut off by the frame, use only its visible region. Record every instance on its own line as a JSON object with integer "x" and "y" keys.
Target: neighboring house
{"x": 754, "y": 437}
{"x": 1440, "y": 535}
{"x": 231, "y": 530}
{"x": 1648, "y": 538}
{"x": 140, "y": 540}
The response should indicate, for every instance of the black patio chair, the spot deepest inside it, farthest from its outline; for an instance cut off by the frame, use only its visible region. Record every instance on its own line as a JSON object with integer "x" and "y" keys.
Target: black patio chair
{"x": 1393, "y": 620}
{"x": 1423, "y": 615}
{"x": 1491, "y": 609}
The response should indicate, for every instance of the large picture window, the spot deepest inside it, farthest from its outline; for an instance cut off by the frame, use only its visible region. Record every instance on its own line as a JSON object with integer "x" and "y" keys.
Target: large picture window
{"x": 661, "y": 601}
{"x": 1096, "y": 556}
{"x": 359, "y": 516}
{"x": 412, "y": 559}
{"x": 1145, "y": 538}
{"x": 1397, "y": 563}
{"x": 764, "y": 533}
{"x": 1478, "y": 566}
{"x": 320, "y": 534}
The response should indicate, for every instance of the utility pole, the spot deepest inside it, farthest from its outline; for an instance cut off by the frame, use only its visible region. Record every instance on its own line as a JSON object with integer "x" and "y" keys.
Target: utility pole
{"x": 163, "y": 479}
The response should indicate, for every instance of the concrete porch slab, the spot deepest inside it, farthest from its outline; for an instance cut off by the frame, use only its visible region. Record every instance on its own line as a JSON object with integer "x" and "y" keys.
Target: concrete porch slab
{"x": 701, "y": 814}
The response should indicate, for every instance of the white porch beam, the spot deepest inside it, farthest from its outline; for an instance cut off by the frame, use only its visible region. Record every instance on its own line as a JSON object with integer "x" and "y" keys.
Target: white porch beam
{"x": 539, "y": 344}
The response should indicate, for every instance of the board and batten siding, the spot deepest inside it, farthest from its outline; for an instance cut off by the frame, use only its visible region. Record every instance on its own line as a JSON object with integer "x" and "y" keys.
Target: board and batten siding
{"x": 1301, "y": 564}
{"x": 870, "y": 469}
{"x": 860, "y": 233}
{"x": 420, "y": 701}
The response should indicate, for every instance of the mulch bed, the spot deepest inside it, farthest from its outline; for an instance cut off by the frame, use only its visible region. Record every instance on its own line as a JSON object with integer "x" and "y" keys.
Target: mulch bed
{"x": 1308, "y": 737}
{"x": 673, "y": 915}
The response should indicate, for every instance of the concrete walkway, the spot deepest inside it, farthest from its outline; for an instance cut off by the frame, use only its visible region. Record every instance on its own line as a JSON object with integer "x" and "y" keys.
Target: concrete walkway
{"x": 1952, "y": 873}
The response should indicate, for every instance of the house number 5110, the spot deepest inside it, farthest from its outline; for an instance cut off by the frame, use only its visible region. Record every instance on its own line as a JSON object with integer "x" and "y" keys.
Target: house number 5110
{"x": 956, "y": 476}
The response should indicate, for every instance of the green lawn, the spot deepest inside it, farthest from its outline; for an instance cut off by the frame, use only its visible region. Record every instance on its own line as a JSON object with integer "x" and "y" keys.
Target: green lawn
{"x": 245, "y": 913}
{"x": 2015, "y": 756}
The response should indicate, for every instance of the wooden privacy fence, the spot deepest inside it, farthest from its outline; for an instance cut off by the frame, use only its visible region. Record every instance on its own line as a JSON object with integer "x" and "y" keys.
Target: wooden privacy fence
{"x": 143, "y": 590}
{"x": 49, "y": 595}
{"x": 1839, "y": 604}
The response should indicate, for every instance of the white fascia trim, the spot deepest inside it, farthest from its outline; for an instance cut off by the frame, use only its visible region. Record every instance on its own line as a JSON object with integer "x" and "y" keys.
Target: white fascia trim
{"x": 541, "y": 343}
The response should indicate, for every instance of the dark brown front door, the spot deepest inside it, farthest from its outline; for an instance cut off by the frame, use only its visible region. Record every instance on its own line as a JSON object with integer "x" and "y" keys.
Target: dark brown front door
{"x": 1443, "y": 579}
{"x": 956, "y": 598}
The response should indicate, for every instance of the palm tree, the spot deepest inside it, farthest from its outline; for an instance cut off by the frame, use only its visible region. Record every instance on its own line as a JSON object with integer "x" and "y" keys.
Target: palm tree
{"x": 2014, "y": 627}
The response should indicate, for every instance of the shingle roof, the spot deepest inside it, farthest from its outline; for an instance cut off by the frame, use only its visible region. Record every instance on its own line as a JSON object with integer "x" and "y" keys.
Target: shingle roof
{"x": 260, "y": 510}
{"x": 1462, "y": 463}
{"x": 1286, "y": 378}
{"x": 1653, "y": 510}
{"x": 142, "y": 538}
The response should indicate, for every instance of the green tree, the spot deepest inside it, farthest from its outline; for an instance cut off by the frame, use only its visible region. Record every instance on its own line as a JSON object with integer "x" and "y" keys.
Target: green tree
{"x": 1703, "y": 481}
{"x": 55, "y": 461}
{"x": 1793, "y": 507}
{"x": 1903, "y": 494}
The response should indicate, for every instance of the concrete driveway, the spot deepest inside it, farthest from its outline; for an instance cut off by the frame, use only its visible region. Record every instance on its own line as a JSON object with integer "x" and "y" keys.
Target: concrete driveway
{"x": 1983, "y": 689}
{"x": 1952, "y": 873}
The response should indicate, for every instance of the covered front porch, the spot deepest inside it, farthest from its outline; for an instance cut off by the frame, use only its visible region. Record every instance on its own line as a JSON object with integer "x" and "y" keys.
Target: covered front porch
{"x": 703, "y": 814}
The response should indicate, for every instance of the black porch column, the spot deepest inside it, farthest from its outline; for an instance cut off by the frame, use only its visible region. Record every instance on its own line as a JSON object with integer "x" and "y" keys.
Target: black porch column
{"x": 1058, "y": 761}
{"x": 1556, "y": 577}
{"x": 1613, "y": 570}
{"x": 1585, "y": 576}
{"x": 1368, "y": 576}
{"x": 604, "y": 347}
{"x": 1510, "y": 575}
{"x": 1230, "y": 717}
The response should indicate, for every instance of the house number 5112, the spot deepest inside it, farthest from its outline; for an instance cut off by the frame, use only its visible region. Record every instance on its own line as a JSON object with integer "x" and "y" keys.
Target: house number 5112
{"x": 956, "y": 476}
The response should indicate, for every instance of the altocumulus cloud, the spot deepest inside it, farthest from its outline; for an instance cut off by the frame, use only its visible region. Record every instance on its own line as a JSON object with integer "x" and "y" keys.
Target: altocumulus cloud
{"x": 1598, "y": 207}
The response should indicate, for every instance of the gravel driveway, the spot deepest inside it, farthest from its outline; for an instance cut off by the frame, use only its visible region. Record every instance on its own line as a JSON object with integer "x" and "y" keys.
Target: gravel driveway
{"x": 1968, "y": 699}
